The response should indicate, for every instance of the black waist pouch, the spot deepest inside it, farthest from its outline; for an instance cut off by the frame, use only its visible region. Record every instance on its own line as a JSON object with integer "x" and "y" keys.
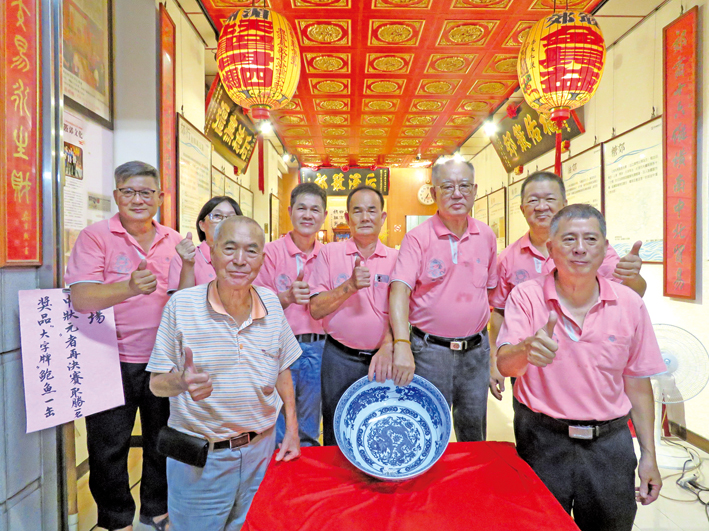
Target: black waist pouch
{"x": 185, "y": 448}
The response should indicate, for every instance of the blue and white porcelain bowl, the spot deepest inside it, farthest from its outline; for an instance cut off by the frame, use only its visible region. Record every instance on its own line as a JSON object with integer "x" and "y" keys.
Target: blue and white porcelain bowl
{"x": 390, "y": 432}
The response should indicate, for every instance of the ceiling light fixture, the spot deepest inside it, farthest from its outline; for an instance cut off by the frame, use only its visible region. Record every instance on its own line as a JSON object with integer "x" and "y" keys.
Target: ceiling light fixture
{"x": 490, "y": 128}
{"x": 265, "y": 127}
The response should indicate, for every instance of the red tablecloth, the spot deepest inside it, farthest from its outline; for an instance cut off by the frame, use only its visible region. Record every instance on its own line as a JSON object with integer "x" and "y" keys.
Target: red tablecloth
{"x": 473, "y": 486}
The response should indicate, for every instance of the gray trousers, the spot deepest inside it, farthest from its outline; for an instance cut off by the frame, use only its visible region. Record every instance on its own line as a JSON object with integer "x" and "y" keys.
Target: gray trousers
{"x": 463, "y": 376}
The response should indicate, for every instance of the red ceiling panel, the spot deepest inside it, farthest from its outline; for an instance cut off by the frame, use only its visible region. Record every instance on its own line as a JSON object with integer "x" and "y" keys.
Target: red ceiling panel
{"x": 385, "y": 80}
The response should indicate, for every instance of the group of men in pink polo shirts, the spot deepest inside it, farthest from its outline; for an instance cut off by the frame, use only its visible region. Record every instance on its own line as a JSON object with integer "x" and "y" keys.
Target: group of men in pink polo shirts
{"x": 359, "y": 308}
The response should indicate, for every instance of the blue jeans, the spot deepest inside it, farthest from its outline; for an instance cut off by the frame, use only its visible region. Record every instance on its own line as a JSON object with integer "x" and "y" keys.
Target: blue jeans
{"x": 463, "y": 376}
{"x": 218, "y": 496}
{"x": 306, "y": 382}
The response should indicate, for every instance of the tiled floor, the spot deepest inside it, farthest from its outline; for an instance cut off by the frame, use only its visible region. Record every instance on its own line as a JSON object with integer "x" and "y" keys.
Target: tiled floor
{"x": 663, "y": 515}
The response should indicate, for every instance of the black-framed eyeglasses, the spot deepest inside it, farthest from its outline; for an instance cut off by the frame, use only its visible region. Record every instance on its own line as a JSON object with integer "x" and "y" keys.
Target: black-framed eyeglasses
{"x": 129, "y": 193}
{"x": 216, "y": 217}
{"x": 449, "y": 189}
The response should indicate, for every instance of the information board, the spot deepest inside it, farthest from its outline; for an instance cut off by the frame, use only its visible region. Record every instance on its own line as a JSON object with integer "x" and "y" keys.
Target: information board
{"x": 583, "y": 178}
{"x": 497, "y": 215}
{"x": 516, "y": 222}
{"x": 194, "y": 173}
{"x": 480, "y": 210}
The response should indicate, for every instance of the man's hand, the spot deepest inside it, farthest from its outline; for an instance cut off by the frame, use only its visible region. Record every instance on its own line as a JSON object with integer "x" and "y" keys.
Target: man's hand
{"x": 186, "y": 249}
{"x": 299, "y": 291}
{"x": 360, "y": 275}
{"x": 650, "y": 480}
{"x": 197, "y": 384}
{"x": 381, "y": 365}
{"x": 541, "y": 347}
{"x": 404, "y": 364}
{"x": 497, "y": 382}
{"x": 289, "y": 449}
{"x": 628, "y": 267}
{"x": 142, "y": 281}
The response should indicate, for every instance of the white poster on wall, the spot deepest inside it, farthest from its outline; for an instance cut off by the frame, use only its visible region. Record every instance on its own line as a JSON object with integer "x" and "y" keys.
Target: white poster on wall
{"x": 194, "y": 173}
{"x": 480, "y": 209}
{"x": 583, "y": 178}
{"x": 496, "y": 215}
{"x": 516, "y": 223}
{"x": 633, "y": 190}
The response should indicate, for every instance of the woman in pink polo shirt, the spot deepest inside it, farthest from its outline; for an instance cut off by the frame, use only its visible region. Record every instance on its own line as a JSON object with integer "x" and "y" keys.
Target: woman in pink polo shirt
{"x": 192, "y": 265}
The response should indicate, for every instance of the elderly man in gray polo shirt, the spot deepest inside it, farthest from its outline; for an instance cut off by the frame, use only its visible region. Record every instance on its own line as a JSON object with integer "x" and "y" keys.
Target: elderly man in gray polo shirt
{"x": 222, "y": 355}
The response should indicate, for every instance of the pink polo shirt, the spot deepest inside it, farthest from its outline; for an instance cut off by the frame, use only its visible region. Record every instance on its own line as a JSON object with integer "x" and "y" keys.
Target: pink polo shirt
{"x": 282, "y": 263}
{"x": 522, "y": 261}
{"x": 105, "y": 253}
{"x": 362, "y": 320}
{"x": 203, "y": 269}
{"x": 585, "y": 380}
{"x": 449, "y": 277}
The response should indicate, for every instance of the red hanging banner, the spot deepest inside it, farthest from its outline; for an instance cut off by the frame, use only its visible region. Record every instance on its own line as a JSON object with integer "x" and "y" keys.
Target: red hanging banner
{"x": 20, "y": 106}
{"x": 680, "y": 155}
{"x": 168, "y": 113}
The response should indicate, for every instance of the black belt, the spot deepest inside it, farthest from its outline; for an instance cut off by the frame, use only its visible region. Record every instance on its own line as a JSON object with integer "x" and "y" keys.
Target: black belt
{"x": 236, "y": 442}
{"x": 351, "y": 351}
{"x": 579, "y": 429}
{"x": 309, "y": 338}
{"x": 458, "y": 343}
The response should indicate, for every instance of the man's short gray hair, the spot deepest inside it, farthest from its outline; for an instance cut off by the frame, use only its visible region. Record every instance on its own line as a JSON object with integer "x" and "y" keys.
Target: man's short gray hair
{"x": 439, "y": 167}
{"x": 578, "y": 211}
{"x": 238, "y": 220}
{"x": 136, "y": 168}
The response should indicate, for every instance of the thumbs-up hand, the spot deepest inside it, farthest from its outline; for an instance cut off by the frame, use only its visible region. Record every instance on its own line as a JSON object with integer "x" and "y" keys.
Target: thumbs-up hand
{"x": 541, "y": 347}
{"x": 299, "y": 291}
{"x": 360, "y": 275}
{"x": 186, "y": 249}
{"x": 198, "y": 384}
{"x": 628, "y": 267}
{"x": 142, "y": 281}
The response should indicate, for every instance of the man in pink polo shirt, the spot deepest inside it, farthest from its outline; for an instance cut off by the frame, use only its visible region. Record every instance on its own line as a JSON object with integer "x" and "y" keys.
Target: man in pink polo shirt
{"x": 543, "y": 195}
{"x": 349, "y": 291}
{"x": 583, "y": 349}
{"x": 123, "y": 263}
{"x": 287, "y": 266}
{"x": 445, "y": 268}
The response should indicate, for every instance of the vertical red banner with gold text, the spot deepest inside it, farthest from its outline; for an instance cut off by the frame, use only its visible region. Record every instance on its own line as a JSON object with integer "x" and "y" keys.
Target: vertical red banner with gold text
{"x": 680, "y": 155}
{"x": 168, "y": 135}
{"x": 20, "y": 101}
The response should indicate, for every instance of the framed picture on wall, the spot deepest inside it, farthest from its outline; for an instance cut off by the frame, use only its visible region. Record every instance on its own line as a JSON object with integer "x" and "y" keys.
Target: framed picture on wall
{"x": 87, "y": 59}
{"x": 246, "y": 201}
{"x": 274, "y": 208}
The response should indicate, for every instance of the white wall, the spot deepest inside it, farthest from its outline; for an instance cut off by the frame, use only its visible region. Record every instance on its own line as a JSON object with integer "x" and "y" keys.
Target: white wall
{"x": 631, "y": 86}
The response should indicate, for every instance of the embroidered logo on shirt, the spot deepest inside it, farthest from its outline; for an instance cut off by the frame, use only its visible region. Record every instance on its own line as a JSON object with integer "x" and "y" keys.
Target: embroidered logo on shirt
{"x": 611, "y": 339}
{"x": 521, "y": 275}
{"x": 341, "y": 278}
{"x": 436, "y": 269}
{"x": 123, "y": 264}
{"x": 283, "y": 282}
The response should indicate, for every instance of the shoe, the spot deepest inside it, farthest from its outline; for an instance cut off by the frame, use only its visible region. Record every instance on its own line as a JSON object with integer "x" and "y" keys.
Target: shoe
{"x": 158, "y": 526}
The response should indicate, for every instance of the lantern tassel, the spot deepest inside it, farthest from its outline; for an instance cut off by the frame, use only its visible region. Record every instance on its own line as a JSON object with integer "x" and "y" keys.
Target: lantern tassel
{"x": 557, "y": 159}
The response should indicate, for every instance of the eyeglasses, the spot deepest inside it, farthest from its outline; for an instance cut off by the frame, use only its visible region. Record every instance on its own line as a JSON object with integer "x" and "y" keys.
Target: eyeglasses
{"x": 216, "y": 217}
{"x": 129, "y": 193}
{"x": 449, "y": 189}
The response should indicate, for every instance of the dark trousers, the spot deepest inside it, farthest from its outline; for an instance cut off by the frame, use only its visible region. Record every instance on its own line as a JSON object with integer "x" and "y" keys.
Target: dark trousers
{"x": 595, "y": 478}
{"x": 108, "y": 435}
{"x": 463, "y": 376}
{"x": 339, "y": 370}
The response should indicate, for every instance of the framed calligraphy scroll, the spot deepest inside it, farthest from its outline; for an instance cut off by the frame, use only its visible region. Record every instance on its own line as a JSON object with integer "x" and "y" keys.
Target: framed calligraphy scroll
{"x": 20, "y": 134}
{"x": 87, "y": 58}
{"x": 680, "y": 155}
{"x": 632, "y": 183}
{"x": 168, "y": 155}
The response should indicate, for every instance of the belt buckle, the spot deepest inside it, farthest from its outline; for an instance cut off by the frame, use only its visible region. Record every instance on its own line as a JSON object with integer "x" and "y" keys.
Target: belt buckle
{"x": 241, "y": 440}
{"x": 583, "y": 432}
{"x": 458, "y": 345}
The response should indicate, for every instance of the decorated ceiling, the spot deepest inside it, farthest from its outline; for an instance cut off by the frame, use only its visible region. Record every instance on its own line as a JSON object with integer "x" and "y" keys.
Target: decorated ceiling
{"x": 386, "y": 80}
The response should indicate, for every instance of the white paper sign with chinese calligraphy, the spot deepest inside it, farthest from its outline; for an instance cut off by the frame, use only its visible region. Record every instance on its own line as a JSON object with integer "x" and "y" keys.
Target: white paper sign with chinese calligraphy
{"x": 69, "y": 360}
{"x": 583, "y": 178}
{"x": 633, "y": 190}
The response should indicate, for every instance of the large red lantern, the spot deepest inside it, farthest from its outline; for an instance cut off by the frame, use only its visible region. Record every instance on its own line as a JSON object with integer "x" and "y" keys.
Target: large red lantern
{"x": 560, "y": 66}
{"x": 258, "y": 60}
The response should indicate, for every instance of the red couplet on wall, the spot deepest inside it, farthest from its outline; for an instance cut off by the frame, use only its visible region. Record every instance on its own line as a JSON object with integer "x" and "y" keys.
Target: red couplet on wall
{"x": 20, "y": 107}
{"x": 168, "y": 134}
{"x": 680, "y": 155}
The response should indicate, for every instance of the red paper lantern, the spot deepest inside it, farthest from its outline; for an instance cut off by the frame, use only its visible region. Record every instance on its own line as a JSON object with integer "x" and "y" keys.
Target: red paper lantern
{"x": 560, "y": 66}
{"x": 258, "y": 60}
